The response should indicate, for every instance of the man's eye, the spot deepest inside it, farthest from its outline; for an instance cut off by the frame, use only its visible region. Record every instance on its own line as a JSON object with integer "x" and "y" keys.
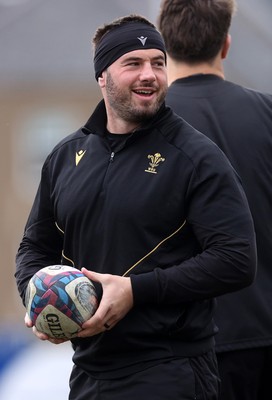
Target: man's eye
{"x": 159, "y": 64}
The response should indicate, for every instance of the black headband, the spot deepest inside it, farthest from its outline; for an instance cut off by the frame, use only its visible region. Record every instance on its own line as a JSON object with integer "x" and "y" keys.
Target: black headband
{"x": 123, "y": 39}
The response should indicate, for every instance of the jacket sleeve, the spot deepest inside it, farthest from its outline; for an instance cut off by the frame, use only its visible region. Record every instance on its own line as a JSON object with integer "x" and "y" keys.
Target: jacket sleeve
{"x": 41, "y": 244}
{"x": 219, "y": 216}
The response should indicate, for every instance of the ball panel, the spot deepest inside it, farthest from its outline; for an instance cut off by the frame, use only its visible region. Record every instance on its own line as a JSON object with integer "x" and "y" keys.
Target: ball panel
{"x": 50, "y": 275}
{"x": 56, "y": 324}
{"x": 30, "y": 300}
{"x": 82, "y": 292}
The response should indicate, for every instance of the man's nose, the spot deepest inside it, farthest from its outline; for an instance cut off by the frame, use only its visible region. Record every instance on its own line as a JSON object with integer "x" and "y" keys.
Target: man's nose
{"x": 147, "y": 72}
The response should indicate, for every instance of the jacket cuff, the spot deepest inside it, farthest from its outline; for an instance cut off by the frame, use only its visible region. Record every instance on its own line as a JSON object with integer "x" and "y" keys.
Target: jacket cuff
{"x": 144, "y": 288}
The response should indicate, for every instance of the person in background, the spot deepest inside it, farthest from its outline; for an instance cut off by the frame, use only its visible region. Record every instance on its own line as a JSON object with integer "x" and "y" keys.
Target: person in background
{"x": 154, "y": 214}
{"x": 239, "y": 121}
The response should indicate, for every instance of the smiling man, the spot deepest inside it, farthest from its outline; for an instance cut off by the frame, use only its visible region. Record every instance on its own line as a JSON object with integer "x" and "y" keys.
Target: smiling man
{"x": 131, "y": 75}
{"x": 154, "y": 214}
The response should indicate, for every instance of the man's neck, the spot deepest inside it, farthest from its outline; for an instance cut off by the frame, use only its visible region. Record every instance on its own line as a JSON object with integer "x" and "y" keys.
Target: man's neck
{"x": 178, "y": 70}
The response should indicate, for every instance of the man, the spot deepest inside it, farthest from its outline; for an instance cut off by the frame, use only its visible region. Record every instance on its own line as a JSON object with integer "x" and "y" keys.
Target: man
{"x": 156, "y": 215}
{"x": 239, "y": 120}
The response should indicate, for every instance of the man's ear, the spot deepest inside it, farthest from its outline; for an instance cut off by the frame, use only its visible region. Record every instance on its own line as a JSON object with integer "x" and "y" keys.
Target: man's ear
{"x": 102, "y": 80}
{"x": 226, "y": 47}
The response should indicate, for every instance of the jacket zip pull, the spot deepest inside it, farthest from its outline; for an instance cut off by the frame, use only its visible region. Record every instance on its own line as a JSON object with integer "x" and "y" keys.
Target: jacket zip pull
{"x": 112, "y": 156}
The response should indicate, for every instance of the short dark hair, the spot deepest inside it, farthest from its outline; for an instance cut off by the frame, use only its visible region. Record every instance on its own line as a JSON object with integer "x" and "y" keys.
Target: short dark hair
{"x": 195, "y": 30}
{"x": 101, "y": 31}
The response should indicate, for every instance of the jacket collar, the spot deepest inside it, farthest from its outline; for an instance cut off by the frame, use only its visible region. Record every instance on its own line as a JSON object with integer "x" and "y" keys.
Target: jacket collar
{"x": 96, "y": 124}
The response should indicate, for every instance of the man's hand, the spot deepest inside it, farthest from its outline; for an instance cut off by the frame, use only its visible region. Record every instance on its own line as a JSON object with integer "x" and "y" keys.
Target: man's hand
{"x": 117, "y": 300}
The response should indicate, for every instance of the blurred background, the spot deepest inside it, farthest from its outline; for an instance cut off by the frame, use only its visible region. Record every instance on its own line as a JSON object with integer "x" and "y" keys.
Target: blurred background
{"x": 47, "y": 90}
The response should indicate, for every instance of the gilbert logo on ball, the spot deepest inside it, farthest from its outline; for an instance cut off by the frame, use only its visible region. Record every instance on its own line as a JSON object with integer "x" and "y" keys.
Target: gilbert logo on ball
{"x": 59, "y": 299}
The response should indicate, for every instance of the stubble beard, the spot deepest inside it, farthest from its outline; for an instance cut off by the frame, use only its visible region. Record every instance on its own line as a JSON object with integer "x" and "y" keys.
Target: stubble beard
{"x": 121, "y": 103}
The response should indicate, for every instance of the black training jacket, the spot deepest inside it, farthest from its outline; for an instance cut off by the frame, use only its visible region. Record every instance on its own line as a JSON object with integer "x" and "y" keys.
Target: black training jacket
{"x": 166, "y": 209}
{"x": 239, "y": 121}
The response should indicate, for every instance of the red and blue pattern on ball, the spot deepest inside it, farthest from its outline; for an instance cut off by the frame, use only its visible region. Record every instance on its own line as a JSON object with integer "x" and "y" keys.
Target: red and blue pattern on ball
{"x": 51, "y": 290}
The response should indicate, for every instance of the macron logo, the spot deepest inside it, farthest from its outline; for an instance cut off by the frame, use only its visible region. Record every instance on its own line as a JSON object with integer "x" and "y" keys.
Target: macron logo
{"x": 142, "y": 39}
{"x": 79, "y": 155}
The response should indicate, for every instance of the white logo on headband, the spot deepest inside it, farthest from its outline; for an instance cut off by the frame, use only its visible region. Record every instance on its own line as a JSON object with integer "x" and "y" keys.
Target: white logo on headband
{"x": 142, "y": 40}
